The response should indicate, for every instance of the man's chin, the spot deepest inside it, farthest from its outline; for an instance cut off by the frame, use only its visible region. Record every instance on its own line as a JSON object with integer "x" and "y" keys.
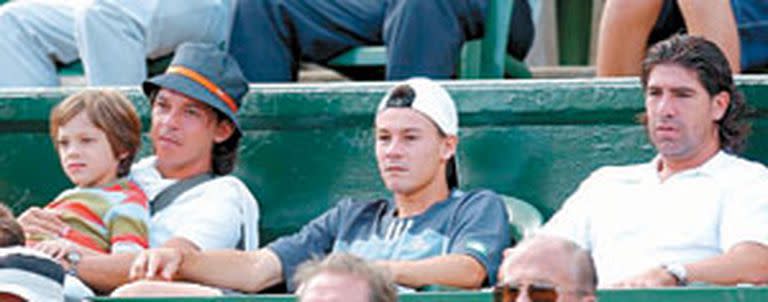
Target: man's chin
{"x": 398, "y": 188}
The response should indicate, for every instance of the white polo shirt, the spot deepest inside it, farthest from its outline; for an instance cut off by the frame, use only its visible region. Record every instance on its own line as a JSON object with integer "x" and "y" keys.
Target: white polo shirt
{"x": 632, "y": 222}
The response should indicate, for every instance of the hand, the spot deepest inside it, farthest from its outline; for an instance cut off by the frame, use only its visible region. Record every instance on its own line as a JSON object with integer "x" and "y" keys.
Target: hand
{"x": 657, "y": 277}
{"x": 160, "y": 263}
{"x": 42, "y": 221}
{"x": 56, "y": 248}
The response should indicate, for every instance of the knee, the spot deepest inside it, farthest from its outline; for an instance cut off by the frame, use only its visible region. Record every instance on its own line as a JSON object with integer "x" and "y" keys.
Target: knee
{"x": 13, "y": 20}
{"x": 631, "y": 10}
{"x": 94, "y": 13}
{"x": 100, "y": 13}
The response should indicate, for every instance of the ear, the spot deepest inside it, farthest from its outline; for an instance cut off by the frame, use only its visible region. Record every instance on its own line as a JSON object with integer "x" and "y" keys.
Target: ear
{"x": 720, "y": 104}
{"x": 224, "y": 129}
{"x": 449, "y": 147}
{"x": 122, "y": 156}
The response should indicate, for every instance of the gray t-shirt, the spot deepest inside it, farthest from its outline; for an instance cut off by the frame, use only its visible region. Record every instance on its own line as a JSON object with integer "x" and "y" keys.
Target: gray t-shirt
{"x": 472, "y": 223}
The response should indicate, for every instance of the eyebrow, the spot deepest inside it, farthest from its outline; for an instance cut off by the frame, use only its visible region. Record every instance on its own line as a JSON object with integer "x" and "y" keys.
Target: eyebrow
{"x": 682, "y": 89}
{"x": 406, "y": 130}
{"x": 673, "y": 89}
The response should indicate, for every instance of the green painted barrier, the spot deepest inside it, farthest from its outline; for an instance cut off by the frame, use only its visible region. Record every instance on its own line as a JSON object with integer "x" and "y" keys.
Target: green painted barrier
{"x": 465, "y": 296}
{"x": 307, "y": 146}
{"x": 695, "y": 294}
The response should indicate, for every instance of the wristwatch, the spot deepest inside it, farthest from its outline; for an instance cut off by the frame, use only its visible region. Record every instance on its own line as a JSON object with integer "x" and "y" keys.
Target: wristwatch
{"x": 73, "y": 257}
{"x": 677, "y": 270}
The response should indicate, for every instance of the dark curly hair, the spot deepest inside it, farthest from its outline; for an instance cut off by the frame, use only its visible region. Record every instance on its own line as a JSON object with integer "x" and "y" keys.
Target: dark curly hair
{"x": 708, "y": 61}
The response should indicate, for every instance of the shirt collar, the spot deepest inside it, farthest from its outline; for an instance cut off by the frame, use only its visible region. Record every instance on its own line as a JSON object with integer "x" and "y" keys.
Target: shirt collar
{"x": 711, "y": 167}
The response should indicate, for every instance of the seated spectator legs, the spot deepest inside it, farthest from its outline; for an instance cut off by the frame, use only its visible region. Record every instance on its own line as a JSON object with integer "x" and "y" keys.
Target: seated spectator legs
{"x": 110, "y": 44}
{"x": 32, "y": 36}
{"x": 715, "y": 21}
{"x": 623, "y": 35}
{"x": 423, "y": 38}
{"x": 115, "y": 37}
{"x": 270, "y": 37}
{"x": 628, "y": 27}
{"x": 418, "y": 45}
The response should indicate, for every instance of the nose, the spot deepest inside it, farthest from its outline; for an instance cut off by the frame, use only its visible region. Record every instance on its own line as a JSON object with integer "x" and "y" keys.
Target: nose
{"x": 71, "y": 150}
{"x": 523, "y": 297}
{"x": 666, "y": 106}
{"x": 394, "y": 148}
{"x": 169, "y": 118}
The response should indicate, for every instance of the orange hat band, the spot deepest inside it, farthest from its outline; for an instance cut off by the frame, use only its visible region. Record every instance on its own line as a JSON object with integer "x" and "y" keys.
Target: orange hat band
{"x": 203, "y": 81}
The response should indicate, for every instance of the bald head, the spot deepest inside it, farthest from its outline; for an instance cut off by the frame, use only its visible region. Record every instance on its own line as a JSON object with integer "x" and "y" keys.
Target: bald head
{"x": 344, "y": 277}
{"x": 549, "y": 260}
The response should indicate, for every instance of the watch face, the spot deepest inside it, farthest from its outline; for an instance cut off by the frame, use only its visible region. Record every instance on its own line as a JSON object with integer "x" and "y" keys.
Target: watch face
{"x": 73, "y": 257}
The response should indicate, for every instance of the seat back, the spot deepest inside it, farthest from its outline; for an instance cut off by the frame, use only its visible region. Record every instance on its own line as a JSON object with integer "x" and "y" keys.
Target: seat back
{"x": 524, "y": 219}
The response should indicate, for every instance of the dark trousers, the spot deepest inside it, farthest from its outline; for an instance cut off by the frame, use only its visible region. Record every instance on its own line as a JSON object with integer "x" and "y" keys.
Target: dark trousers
{"x": 423, "y": 37}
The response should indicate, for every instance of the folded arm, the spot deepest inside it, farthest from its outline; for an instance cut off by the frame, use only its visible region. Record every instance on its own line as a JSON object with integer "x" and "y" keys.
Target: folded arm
{"x": 745, "y": 262}
{"x": 456, "y": 270}
{"x": 243, "y": 271}
{"x": 104, "y": 273}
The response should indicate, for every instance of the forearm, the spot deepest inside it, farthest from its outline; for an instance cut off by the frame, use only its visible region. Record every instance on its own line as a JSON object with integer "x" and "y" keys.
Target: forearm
{"x": 242, "y": 271}
{"x": 104, "y": 273}
{"x": 451, "y": 270}
{"x": 744, "y": 263}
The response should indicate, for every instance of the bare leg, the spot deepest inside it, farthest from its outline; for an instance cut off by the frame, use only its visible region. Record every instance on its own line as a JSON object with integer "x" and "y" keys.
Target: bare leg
{"x": 164, "y": 289}
{"x": 623, "y": 35}
{"x": 714, "y": 20}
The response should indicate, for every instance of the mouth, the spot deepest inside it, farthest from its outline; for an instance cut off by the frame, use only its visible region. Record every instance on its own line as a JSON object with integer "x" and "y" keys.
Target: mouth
{"x": 75, "y": 166}
{"x": 166, "y": 140}
{"x": 395, "y": 169}
{"x": 666, "y": 129}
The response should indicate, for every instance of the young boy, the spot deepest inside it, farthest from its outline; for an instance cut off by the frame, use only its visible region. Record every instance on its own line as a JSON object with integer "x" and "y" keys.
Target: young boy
{"x": 96, "y": 134}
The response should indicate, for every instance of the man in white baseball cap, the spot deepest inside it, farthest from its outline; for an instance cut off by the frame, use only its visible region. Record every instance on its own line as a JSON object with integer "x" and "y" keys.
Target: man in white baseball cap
{"x": 428, "y": 233}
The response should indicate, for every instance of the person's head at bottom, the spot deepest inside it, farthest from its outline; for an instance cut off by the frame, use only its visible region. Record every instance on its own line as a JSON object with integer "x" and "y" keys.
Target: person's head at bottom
{"x": 546, "y": 269}
{"x": 343, "y": 277}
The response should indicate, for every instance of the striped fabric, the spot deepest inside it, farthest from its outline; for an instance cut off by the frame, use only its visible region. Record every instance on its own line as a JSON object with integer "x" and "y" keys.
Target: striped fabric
{"x": 110, "y": 219}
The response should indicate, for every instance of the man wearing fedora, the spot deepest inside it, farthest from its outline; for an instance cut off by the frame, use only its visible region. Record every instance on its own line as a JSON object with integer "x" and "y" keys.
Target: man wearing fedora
{"x": 195, "y": 204}
{"x": 428, "y": 232}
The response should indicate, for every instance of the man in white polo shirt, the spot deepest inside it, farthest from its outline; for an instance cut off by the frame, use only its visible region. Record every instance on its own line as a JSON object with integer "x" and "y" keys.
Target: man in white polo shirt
{"x": 696, "y": 212}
